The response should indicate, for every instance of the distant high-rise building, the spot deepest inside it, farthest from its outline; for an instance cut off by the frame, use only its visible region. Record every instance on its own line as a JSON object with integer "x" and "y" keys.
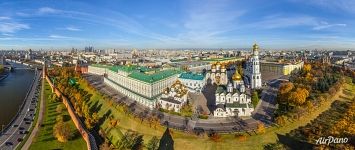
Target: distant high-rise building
{"x": 28, "y": 55}
{"x": 89, "y": 49}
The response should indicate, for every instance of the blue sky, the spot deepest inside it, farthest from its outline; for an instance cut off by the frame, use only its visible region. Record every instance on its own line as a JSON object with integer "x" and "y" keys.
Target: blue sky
{"x": 274, "y": 24}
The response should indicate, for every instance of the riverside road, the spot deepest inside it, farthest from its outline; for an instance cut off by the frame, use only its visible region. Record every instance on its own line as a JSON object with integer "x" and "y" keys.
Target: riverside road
{"x": 14, "y": 134}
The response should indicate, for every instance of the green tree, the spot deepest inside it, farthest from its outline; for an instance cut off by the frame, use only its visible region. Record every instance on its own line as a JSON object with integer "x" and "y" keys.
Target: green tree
{"x": 153, "y": 143}
{"x": 131, "y": 140}
{"x": 255, "y": 98}
{"x": 186, "y": 110}
{"x": 166, "y": 141}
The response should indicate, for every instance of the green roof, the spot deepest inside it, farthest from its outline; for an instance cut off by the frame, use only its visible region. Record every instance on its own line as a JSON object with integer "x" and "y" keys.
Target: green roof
{"x": 150, "y": 78}
{"x": 222, "y": 59}
{"x": 192, "y": 76}
{"x": 101, "y": 66}
{"x": 142, "y": 73}
{"x": 124, "y": 68}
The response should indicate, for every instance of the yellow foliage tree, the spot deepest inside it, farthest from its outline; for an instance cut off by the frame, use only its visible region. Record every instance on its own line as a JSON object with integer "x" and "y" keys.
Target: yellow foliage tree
{"x": 299, "y": 96}
{"x": 307, "y": 67}
{"x": 260, "y": 128}
{"x": 62, "y": 131}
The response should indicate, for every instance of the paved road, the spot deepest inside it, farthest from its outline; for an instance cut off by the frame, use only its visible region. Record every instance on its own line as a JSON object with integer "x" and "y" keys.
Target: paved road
{"x": 14, "y": 134}
{"x": 230, "y": 124}
{"x": 35, "y": 130}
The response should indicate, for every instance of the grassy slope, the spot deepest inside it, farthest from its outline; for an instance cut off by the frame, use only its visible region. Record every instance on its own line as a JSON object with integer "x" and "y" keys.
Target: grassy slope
{"x": 188, "y": 141}
{"x": 45, "y": 139}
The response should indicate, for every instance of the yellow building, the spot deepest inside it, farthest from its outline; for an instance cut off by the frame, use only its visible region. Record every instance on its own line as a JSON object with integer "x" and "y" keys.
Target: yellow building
{"x": 281, "y": 68}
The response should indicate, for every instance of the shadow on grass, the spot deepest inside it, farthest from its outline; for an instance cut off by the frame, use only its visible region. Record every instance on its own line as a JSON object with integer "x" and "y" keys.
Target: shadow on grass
{"x": 293, "y": 143}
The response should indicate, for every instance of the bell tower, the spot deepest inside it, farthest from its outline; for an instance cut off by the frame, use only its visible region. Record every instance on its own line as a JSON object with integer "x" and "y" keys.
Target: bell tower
{"x": 255, "y": 69}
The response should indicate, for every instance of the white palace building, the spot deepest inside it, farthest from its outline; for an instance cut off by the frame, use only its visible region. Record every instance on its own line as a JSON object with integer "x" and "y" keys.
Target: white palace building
{"x": 142, "y": 84}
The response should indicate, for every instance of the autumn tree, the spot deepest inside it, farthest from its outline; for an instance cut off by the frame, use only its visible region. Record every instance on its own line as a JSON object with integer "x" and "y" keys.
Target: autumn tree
{"x": 299, "y": 96}
{"x": 59, "y": 108}
{"x": 62, "y": 131}
{"x": 215, "y": 137}
{"x": 260, "y": 128}
{"x": 281, "y": 120}
{"x": 307, "y": 67}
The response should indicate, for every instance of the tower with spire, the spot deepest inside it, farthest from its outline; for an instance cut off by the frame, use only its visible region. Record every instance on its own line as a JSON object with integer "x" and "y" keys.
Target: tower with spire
{"x": 253, "y": 69}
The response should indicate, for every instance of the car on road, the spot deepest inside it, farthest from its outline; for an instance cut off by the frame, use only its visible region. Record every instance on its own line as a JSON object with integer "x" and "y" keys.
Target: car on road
{"x": 27, "y": 122}
{"x": 21, "y": 128}
{"x": 8, "y": 143}
{"x": 15, "y": 125}
{"x": 19, "y": 139}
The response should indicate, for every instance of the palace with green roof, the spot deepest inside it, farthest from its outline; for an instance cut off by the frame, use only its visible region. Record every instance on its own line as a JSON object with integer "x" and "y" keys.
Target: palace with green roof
{"x": 195, "y": 82}
{"x": 140, "y": 83}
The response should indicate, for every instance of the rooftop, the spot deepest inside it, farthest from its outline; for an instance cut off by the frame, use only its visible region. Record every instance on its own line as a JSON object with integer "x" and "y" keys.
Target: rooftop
{"x": 192, "y": 76}
{"x": 238, "y": 105}
{"x": 142, "y": 73}
{"x": 153, "y": 77}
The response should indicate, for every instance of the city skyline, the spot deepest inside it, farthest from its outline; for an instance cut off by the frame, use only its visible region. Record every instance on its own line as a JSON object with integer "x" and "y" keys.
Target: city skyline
{"x": 177, "y": 24}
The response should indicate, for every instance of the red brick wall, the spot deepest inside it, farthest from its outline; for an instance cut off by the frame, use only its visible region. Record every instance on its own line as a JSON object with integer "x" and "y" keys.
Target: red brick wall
{"x": 78, "y": 124}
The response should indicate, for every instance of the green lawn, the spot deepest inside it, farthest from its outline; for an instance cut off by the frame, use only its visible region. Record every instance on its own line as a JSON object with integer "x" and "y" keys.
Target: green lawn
{"x": 45, "y": 139}
{"x": 190, "y": 141}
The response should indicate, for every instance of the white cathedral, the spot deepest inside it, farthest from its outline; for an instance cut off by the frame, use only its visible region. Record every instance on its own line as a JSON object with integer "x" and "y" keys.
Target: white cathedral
{"x": 218, "y": 74}
{"x": 233, "y": 100}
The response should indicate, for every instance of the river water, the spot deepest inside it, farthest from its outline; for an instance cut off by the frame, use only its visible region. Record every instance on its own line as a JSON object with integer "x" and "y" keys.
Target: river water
{"x": 13, "y": 90}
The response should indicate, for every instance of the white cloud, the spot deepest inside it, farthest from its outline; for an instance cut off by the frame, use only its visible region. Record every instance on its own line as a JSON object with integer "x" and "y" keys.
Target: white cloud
{"x": 11, "y": 27}
{"x": 4, "y": 18}
{"x": 286, "y": 21}
{"x": 47, "y": 10}
{"x": 7, "y": 34}
{"x": 73, "y": 29}
{"x": 279, "y": 21}
{"x": 327, "y": 25}
{"x": 346, "y": 5}
{"x": 58, "y": 36}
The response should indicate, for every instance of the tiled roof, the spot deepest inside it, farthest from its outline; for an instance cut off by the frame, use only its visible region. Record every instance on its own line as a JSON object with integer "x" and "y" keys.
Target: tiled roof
{"x": 142, "y": 73}
{"x": 150, "y": 78}
{"x": 192, "y": 76}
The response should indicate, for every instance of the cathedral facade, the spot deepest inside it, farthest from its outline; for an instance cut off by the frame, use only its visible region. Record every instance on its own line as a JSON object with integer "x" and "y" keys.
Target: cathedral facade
{"x": 232, "y": 100}
{"x": 218, "y": 74}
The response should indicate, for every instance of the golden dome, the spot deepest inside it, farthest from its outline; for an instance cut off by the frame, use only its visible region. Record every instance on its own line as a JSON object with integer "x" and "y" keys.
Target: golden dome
{"x": 213, "y": 66}
{"x": 223, "y": 66}
{"x": 178, "y": 82}
{"x": 255, "y": 47}
{"x": 218, "y": 63}
{"x": 236, "y": 76}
